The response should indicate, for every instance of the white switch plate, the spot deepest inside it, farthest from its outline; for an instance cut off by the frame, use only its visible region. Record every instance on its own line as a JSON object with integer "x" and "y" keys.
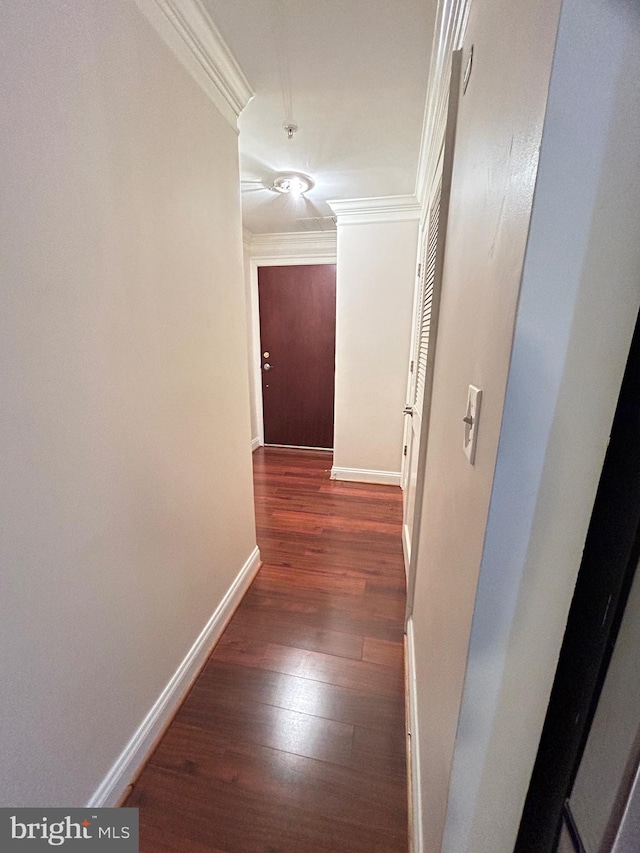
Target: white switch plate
{"x": 471, "y": 418}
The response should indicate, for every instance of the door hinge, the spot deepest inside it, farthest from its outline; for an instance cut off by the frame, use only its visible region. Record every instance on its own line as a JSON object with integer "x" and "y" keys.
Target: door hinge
{"x": 419, "y": 269}
{"x": 404, "y": 452}
{"x": 411, "y": 367}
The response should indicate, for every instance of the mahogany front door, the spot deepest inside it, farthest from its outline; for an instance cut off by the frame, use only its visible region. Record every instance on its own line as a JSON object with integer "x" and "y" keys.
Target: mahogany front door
{"x": 297, "y": 349}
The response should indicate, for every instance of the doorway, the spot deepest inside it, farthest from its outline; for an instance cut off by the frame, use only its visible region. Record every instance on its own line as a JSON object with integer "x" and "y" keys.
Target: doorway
{"x": 609, "y": 562}
{"x": 297, "y": 310}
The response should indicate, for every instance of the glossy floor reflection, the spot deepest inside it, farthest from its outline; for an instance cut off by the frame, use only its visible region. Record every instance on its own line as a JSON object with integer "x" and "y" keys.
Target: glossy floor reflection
{"x": 292, "y": 739}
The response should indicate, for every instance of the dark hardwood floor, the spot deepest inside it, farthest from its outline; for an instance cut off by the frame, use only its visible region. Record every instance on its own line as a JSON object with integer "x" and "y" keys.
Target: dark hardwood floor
{"x": 292, "y": 738}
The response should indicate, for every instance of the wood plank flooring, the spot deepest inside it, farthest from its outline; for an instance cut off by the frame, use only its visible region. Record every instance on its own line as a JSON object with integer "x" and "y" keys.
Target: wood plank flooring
{"x": 292, "y": 738}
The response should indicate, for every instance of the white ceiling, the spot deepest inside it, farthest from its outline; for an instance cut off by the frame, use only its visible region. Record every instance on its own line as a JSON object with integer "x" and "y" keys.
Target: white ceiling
{"x": 352, "y": 74}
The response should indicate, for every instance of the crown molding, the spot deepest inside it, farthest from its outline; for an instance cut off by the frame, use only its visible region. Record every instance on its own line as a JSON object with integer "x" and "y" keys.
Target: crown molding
{"x": 294, "y": 244}
{"x": 362, "y": 211}
{"x": 189, "y": 32}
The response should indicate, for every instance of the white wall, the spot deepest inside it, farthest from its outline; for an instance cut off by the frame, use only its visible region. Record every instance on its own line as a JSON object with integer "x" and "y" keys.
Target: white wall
{"x": 124, "y": 451}
{"x": 579, "y": 300}
{"x": 499, "y": 130}
{"x": 375, "y": 287}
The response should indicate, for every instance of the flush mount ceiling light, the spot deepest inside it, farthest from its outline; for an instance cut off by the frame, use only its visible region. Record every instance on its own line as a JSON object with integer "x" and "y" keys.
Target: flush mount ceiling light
{"x": 292, "y": 182}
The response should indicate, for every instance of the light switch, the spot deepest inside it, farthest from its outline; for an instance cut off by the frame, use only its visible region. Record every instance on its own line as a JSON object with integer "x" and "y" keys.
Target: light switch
{"x": 471, "y": 418}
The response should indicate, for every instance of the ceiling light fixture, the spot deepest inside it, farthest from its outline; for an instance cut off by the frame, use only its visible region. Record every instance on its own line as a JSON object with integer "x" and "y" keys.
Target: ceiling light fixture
{"x": 294, "y": 183}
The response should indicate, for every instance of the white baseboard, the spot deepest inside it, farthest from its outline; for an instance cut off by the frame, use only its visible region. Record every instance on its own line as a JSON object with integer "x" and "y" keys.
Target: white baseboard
{"x": 144, "y": 739}
{"x": 363, "y": 475}
{"x": 255, "y": 444}
{"x": 415, "y": 797}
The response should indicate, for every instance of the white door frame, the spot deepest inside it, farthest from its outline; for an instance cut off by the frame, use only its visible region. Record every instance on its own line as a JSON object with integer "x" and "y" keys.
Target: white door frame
{"x": 404, "y": 467}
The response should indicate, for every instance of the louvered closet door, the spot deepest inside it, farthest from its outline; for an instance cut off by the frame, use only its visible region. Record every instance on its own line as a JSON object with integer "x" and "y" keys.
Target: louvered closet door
{"x": 429, "y": 267}
{"x": 423, "y": 319}
{"x": 426, "y": 307}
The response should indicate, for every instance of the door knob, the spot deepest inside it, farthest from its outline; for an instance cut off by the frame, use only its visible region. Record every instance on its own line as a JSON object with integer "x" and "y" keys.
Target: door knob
{"x": 267, "y": 366}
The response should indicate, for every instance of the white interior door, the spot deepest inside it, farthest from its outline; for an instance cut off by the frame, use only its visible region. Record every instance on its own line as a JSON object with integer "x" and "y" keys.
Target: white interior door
{"x": 423, "y": 351}
{"x": 423, "y": 320}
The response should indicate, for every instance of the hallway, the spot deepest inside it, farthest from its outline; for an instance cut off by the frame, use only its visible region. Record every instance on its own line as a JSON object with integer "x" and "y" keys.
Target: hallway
{"x": 292, "y": 739}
